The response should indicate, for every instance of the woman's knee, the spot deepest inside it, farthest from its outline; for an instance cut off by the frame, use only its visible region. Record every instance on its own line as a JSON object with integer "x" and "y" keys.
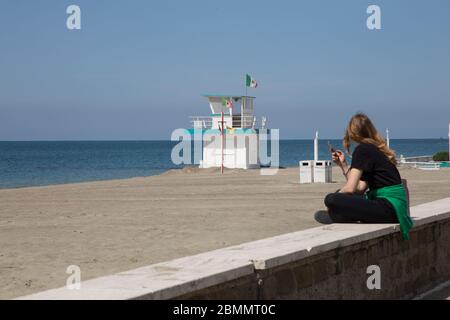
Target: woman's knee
{"x": 330, "y": 200}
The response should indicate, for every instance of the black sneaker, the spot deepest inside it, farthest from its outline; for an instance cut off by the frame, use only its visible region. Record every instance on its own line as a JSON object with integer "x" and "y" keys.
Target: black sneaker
{"x": 323, "y": 217}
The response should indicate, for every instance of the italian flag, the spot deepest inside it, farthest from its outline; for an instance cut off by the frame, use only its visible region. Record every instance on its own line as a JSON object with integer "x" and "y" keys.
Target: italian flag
{"x": 250, "y": 82}
{"x": 227, "y": 102}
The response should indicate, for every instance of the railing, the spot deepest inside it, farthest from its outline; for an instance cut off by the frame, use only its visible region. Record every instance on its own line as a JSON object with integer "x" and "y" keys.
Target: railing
{"x": 423, "y": 165}
{"x": 420, "y": 162}
{"x": 206, "y": 122}
{"x": 415, "y": 159}
{"x": 201, "y": 122}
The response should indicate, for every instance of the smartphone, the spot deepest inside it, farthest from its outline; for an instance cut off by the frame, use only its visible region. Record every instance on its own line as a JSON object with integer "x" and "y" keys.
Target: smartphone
{"x": 331, "y": 148}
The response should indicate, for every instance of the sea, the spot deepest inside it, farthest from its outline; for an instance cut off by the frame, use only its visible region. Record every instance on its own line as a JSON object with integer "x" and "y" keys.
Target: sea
{"x": 40, "y": 163}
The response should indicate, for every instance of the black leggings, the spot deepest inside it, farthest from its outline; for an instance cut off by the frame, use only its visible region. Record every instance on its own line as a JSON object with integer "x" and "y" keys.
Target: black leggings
{"x": 348, "y": 208}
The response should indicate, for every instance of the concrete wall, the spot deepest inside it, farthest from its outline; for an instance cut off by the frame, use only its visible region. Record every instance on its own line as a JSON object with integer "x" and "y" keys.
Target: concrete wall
{"x": 408, "y": 268}
{"x": 328, "y": 262}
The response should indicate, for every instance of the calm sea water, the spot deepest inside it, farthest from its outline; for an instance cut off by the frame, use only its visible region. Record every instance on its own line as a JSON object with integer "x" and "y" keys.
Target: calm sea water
{"x": 44, "y": 163}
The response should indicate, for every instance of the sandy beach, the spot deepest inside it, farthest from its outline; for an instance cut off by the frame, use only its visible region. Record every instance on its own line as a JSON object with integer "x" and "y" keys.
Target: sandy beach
{"x": 111, "y": 226}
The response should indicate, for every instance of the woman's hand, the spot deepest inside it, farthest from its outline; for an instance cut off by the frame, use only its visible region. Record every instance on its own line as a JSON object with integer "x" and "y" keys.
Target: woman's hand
{"x": 338, "y": 157}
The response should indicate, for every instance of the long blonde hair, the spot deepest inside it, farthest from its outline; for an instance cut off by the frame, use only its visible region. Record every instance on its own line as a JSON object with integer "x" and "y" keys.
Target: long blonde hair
{"x": 361, "y": 130}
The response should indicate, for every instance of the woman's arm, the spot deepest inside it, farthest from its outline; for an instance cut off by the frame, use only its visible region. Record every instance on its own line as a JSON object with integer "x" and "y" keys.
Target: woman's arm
{"x": 354, "y": 183}
{"x": 338, "y": 157}
{"x": 362, "y": 187}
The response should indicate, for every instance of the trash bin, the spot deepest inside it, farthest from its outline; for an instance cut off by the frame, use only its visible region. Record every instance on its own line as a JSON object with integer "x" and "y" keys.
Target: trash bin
{"x": 306, "y": 171}
{"x": 322, "y": 171}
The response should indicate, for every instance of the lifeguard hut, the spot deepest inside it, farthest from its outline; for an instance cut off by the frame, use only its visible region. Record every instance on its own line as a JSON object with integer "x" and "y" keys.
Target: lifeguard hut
{"x": 230, "y": 133}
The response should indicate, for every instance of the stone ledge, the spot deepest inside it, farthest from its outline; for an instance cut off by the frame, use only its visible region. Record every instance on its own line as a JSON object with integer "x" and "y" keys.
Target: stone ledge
{"x": 279, "y": 250}
{"x": 190, "y": 274}
{"x": 431, "y": 212}
{"x": 159, "y": 281}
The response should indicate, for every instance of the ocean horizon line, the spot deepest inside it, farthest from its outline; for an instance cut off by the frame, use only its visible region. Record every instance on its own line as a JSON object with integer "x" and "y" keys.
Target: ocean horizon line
{"x": 43, "y": 162}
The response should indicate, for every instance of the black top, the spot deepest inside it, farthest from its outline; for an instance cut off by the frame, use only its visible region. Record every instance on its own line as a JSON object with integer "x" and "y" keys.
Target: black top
{"x": 377, "y": 170}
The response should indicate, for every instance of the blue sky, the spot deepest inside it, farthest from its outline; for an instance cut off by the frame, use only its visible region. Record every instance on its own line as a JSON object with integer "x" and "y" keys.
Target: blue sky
{"x": 137, "y": 68}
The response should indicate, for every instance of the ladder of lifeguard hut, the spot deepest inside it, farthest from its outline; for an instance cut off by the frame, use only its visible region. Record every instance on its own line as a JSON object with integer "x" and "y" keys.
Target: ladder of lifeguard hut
{"x": 237, "y": 121}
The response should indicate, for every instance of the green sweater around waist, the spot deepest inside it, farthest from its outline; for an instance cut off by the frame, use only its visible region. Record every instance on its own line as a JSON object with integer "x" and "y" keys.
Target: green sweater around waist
{"x": 396, "y": 195}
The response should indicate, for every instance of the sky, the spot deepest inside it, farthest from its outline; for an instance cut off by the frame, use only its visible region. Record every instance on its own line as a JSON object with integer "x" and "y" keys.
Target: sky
{"x": 137, "y": 68}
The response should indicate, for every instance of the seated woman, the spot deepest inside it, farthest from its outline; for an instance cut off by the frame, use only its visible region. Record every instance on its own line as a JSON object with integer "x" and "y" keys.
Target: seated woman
{"x": 373, "y": 192}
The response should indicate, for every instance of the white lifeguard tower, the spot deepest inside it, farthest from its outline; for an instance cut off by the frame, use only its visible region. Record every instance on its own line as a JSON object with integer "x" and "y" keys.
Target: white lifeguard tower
{"x": 230, "y": 133}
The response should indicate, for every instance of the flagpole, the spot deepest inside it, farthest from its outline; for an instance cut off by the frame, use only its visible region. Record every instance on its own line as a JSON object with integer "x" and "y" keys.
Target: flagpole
{"x": 222, "y": 131}
{"x": 244, "y": 99}
{"x": 246, "y": 88}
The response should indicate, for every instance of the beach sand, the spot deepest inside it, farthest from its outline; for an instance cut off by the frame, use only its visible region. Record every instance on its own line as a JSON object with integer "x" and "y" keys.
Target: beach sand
{"x": 112, "y": 226}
